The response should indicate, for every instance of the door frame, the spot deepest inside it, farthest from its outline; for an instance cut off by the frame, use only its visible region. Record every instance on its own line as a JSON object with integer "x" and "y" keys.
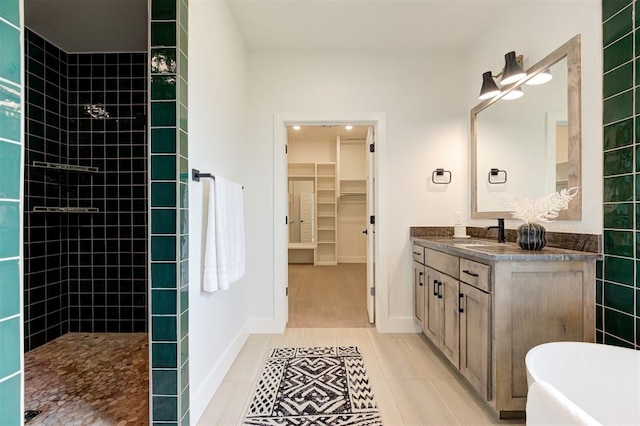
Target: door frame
{"x": 280, "y": 202}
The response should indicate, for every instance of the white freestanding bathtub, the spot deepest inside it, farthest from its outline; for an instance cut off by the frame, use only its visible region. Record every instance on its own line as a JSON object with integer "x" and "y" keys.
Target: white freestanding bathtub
{"x": 574, "y": 383}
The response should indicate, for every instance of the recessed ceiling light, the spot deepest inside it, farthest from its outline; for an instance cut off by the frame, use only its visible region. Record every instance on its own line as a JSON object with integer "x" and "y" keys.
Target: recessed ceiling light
{"x": 348, "y": 127}
{"x": 296, "y": 127}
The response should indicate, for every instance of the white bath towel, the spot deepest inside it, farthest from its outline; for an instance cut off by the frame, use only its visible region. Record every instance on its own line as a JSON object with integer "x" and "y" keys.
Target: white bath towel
{"x": 546, "y": 405}
{"x": 225, "y": 247}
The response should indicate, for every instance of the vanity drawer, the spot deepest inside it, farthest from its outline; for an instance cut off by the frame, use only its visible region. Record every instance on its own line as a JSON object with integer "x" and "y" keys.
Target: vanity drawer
{"x": 418, "y": 253}
{"x": 476, "y": 274}
{"x": 442, "y": 262}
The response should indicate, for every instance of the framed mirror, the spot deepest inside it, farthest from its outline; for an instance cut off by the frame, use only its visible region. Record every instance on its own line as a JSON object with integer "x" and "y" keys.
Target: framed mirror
{"x": 530, "y": 146}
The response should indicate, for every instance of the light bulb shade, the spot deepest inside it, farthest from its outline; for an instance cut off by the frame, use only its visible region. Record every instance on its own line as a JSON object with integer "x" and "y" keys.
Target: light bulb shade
{"x": 513, "y": 94}
{"x": 512, "y": 69}
{"x": 540, "y": 78}
{"x": 489, "y": 87}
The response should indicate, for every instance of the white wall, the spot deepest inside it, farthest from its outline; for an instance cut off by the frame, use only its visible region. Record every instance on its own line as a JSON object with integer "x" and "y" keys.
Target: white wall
{"x": 426, "y": 129}
{"x": 218, "y": 322}
{"x": 536, "y": 28}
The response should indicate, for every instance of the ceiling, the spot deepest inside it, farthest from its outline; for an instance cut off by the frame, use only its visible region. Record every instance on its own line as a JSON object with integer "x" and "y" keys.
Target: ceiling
{"x": 364, "y": 24}
{"x": 90, "y": 25}
{"x": 272, "y": 25}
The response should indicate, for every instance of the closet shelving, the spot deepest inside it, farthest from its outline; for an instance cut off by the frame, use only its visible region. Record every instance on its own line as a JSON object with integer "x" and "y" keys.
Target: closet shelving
{"x": 327, "y": 214}
{"x": 64, "y": 168}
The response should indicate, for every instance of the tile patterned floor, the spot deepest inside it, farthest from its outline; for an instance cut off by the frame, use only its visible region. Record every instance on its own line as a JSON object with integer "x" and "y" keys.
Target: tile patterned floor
{"x": 411, "y": 383}
{"x": 89, "y": 379}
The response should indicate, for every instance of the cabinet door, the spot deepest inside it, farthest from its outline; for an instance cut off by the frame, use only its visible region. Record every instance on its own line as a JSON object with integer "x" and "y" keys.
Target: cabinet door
{"x": 431, "y": 324}
{"x": 450, "y": 335}
{"x": 475, "y": 349}
{"x": 418, "y": 292}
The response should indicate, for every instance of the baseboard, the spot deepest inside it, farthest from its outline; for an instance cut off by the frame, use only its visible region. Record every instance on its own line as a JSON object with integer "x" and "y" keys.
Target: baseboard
{"x": 352, "y": 259}
{"x": 201, "y": 397}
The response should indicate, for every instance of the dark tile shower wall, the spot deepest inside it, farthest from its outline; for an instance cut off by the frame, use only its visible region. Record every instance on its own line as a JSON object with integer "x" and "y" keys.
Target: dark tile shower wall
{"x": 108, "y": 249}
{"x": 618, "y": 283}
{"x": 45, "y": 236}
{"x": 85, "y": 271}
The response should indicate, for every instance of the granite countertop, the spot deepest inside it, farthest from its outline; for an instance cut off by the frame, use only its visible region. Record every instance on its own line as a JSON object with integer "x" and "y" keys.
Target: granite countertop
{"x": 494, "y": 251}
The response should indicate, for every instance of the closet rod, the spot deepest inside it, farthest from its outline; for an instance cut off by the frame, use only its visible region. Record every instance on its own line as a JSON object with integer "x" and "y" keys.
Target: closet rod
{"x": 196, "y": 175}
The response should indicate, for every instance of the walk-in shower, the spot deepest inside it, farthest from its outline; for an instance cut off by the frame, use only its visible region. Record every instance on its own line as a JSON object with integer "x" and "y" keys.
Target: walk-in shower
{"x": 85, "y": 227}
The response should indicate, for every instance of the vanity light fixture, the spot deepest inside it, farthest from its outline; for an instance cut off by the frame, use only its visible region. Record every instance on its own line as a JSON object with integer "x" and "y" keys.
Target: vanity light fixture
{"x": 489, "y": 87}
{"x": 512, "y": 69}
{"x": 513, "y": 94}
{"x": 540, "y": 78}
{"x": 296, "y": 127}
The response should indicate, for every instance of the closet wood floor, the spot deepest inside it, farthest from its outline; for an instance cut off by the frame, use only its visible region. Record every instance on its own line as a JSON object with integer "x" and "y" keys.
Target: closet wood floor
{"x": 328, "y": 296}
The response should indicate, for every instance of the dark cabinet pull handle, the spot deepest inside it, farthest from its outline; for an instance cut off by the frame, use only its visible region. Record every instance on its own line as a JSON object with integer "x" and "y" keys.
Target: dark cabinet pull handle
{"x": 420, "y": 283}
{"x": 439, "y": 294}
{"x": 473, "y": 274}
{"x": 435, "y": 292}
{"x": 460, "y": 309}
{"x": 415, "y": 252}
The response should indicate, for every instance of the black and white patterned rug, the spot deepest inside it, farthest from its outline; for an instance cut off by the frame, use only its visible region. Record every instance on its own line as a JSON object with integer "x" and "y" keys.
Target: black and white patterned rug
{"x": 322, "y": 386}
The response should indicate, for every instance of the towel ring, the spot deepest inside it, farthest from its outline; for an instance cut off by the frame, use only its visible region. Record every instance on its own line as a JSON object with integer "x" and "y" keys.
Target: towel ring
{"x": 440, "y": 172}
{"x": 494, "y": 173}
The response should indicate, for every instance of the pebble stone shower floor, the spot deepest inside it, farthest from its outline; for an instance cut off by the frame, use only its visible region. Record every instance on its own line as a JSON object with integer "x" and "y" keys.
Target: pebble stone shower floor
{"x": 89, "y": 379}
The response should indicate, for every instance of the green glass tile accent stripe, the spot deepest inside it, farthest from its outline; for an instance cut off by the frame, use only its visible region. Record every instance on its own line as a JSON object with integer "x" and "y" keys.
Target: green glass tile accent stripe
{"x": 163, "y": 61}
{"x": 184, "y": 221}
{"x": 184, "y": 119}
{"x": 618, "y": 297}
{"x": 165, "y": 408}
{"x": 184, "y": 170}
{"x": 619, "y": 243}
{"x": 637, "y": 187}
{"x": 10, "y": 155}
{"x": 163, "y": 248}
{"x": 184, "y": 195}
{"x": 619, "y": 324}
{"x": 10, "y": 114}
{"x": 10, "y": 344}
{"x": 184, "y": 93}
{"x": 616, "y": 189}
{"x": 163, "y": 167}
{"x": 184, "y": 349}
{"x": 618, "y": 107}
{"x": 9, "y": 288}
{"x": 184, "y": 14}
{"x": 611, "y": 7}
{"x": 163, "y": 140}
{"x": 618, "y": 270}
{"x": 164, "y": 328}
{"x": 10, "y": 68}
{"x": 184, "y": 292}
{"x": 617, "y": 26}
{"x": 184, "y": 323}
{"x": 164, "y": 113}
{"x": 184, "y": 141}
{"x": 599, "y": 292}
{"x": 164, "y": 382}
{"x": 184, "y": 401}
{"x": 184, "y": 41}
{"x": 619, "y": 216}
{"x": 163, "y": 33}
{"x": 184, "y": 247}
{"x": 163, "y": 87}
{"x": 184, "y": 67}
{"x": 10, "y": 396}
{"x": 618, "y": 134}
{"x": 618, "y": 80}
{"x": 163, "y": 10}
{"x": 618, "y": 53}
{"x": 612, "y": 340}
{"x": 10, "y": 10}
{"x": 618, "y": 162}
{"x": 163, "y": 194}
{"x": 9, "y": 229}
{"x": 164, "y": 355}
{"x": 164, "y": 302}
{"x": 184, "y": 375}
{"x": 163, "y": 275}
{"x": 599, "y": 318}
{"x": 163, "y": 221}
{"x": 184, "y": 274}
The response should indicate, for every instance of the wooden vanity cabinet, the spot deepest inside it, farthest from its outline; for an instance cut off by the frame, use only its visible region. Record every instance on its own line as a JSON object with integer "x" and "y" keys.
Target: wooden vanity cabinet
{"x": 418, "y": 284}
{"x": 484, "y": 314}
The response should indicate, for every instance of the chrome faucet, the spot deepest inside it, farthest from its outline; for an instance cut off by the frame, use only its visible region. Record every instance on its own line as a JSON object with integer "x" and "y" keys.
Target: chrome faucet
{"x": 500, "y": 228}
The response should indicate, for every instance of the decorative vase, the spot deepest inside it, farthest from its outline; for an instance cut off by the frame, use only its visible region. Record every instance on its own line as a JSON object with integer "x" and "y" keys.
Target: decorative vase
{"x": 531, "y": 236}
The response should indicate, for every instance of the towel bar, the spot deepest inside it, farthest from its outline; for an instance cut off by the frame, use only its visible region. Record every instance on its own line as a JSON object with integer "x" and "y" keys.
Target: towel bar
{"x": 196, "y": 175}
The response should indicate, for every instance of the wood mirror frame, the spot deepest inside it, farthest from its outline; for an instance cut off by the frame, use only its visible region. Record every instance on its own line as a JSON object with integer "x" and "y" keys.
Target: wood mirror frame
{"x": 572, "y": 51}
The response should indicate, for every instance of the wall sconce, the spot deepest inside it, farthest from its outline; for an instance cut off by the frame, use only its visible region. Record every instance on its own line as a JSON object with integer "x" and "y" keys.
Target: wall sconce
{"x": 511, "y": 73}
{"x": 540, "y": 78}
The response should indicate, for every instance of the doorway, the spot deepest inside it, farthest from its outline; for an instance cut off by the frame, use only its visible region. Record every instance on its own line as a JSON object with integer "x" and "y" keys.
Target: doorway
{"x": 330, "y": 225}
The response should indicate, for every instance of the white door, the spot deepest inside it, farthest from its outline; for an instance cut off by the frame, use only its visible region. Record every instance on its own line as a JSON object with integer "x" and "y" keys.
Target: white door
{"x": 371, "y": 228}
